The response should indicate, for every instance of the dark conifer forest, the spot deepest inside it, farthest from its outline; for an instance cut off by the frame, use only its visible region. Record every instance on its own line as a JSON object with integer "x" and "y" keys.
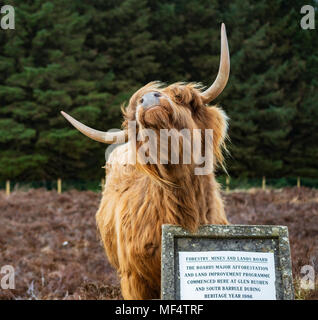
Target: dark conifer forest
{"x": 88, "y": 57}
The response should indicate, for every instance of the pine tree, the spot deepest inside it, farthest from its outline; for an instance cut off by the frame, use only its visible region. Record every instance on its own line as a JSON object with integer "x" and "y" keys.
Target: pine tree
{"x": 44, "y": 76}
{"x": 267, "y": 82}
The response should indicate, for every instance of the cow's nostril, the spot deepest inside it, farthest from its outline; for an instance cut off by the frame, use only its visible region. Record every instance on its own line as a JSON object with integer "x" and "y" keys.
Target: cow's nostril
{"x": 157, "y": 94}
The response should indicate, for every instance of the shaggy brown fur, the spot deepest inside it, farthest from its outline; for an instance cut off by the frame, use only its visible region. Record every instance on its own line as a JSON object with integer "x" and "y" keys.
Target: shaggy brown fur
{"x": 138, "y": 199}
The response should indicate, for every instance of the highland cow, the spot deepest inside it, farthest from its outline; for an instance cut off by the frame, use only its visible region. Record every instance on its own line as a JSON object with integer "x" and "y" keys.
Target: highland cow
{"x": 140, "y": 197}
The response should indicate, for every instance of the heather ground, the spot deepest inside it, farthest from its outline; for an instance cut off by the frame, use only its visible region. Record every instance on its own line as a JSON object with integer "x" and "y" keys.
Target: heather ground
{"x": 52, "y": 242}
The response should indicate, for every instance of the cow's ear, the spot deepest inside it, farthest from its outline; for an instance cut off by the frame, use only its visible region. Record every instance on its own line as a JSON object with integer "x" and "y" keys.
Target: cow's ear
{"x": 186, "y": 95}
{"x": 218, "y": 122}
{"x": 194, "y": 98}
{"x": 196, "y": 101}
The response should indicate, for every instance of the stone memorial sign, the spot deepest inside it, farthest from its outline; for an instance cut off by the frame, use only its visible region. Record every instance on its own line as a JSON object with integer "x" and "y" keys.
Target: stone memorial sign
{"x": 232, "y": 262}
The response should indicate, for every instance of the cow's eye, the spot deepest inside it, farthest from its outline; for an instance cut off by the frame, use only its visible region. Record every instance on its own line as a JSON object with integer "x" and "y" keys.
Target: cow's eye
{"x": 178, "y": 96}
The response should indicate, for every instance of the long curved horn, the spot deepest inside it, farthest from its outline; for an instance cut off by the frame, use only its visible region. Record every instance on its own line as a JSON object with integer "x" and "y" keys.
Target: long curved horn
{"x": 224, "y": 71}
{"x": 104, "y": 137}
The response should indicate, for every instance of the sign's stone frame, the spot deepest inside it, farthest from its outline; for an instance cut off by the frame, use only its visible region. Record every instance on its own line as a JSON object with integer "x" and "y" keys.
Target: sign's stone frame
{"x": 278, "y": 234}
